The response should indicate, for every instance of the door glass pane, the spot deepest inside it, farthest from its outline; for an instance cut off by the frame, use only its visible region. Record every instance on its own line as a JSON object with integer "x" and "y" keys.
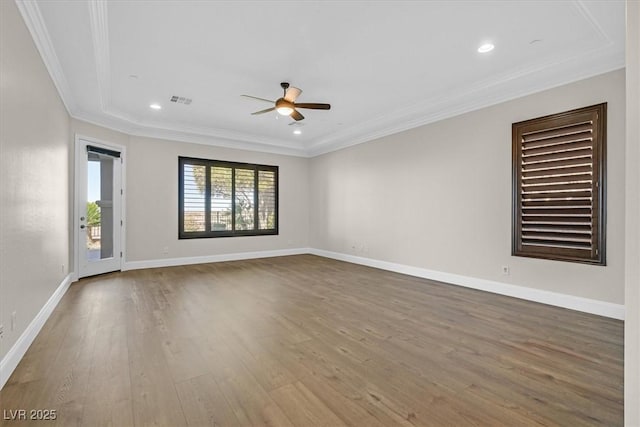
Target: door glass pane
{"x": 99, "y": 220}
{"x": 245, "y": 183}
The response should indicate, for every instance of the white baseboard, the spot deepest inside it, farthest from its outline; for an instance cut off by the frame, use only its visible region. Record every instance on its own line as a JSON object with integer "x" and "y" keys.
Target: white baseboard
{"x": 171, "y": 262}
{"x": 10, "y": 361}
{"x": 601, "y": 308}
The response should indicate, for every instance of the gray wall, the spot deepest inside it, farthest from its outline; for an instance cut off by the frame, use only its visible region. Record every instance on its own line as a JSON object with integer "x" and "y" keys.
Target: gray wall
{"x": 152, "y": 201}
{"x": 439, "y": 197}
{"x": 152, "y": 197}
{"x": 34, "y": 181}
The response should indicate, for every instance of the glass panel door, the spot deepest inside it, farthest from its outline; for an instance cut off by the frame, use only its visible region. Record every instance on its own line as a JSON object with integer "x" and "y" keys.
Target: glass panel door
{"x": 99, "y": 210}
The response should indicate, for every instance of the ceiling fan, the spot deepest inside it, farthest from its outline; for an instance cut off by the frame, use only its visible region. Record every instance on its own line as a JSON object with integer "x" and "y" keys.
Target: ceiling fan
{"x": 287, "y": 105}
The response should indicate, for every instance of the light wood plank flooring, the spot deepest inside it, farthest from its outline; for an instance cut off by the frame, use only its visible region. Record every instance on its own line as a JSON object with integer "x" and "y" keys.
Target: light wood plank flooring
{"x": 306, "y": 341}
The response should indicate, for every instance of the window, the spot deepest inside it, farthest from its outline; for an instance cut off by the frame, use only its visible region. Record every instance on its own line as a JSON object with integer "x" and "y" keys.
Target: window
{"x": 222, "y": 199}
{"x": 559, "y": 186}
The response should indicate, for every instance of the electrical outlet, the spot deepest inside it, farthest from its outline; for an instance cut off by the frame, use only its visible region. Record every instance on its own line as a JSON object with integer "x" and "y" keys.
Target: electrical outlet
{"x": 165, "y": 250}
{"x": 13, "y": 321}
{"x": 505, "y": 270}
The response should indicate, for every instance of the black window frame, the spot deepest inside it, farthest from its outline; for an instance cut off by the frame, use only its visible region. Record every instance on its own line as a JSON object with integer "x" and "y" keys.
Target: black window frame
{"x": 596, "y": 255}
{"x": 209, "y": 233}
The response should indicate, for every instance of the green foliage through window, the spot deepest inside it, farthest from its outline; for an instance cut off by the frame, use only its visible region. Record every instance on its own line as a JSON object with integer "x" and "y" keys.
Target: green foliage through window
{"x": 93, "y": 214}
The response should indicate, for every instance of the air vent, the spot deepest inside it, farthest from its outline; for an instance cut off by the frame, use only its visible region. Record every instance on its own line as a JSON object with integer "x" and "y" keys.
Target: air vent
{"x": 181, "y": 100}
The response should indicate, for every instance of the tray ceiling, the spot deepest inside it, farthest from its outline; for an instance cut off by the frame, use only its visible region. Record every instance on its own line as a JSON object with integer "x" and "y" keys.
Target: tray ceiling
{"x": 384, "y": 66}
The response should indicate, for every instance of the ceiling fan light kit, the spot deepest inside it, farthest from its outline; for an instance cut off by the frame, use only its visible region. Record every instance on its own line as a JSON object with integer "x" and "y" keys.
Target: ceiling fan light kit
{"x": 287, "y": 105}
{"x": 284, "y": 107}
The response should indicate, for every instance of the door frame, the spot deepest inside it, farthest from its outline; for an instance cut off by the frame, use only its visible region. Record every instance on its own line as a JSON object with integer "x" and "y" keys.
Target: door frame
{"x": 79, "y": 156}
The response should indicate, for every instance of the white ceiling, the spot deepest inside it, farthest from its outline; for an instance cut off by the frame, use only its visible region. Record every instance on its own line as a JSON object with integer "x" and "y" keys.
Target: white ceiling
{"x": 385, "y": 66}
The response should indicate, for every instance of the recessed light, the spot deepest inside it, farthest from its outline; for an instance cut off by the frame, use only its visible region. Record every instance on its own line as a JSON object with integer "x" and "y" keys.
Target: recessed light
{"x": 155, "y": 106}
{"x": 487, "y": 47}
{"x": 297, "y": 132}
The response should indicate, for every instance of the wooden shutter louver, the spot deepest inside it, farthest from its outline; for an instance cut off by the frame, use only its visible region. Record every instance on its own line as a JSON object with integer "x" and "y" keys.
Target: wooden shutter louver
{"x": 559, "y": 191}
{"x": 267, "y": 199}
{"x": 193, "y": 198}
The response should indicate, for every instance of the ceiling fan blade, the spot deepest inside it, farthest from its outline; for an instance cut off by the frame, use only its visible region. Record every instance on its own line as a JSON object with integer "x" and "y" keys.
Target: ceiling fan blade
{"x": 314, "y": 106}
{"x": 296, "y": 115}
{"x": 259, "y": 99}
{"x": 263, "y": 111}
{"x": 292, "y": 93}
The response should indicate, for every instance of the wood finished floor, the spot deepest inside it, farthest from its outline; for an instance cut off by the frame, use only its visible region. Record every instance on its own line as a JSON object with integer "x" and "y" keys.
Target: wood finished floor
{"x": 306, "y": 341}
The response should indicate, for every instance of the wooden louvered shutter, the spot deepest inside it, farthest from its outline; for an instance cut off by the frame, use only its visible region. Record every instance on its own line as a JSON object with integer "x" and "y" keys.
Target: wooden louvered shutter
{"x": 559, "y": 186}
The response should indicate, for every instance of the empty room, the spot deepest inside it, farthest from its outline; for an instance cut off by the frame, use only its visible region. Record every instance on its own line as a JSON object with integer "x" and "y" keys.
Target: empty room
{"x": 319, "y": 213}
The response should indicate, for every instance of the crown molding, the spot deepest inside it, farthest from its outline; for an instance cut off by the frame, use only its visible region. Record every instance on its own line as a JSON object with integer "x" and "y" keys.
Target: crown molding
{"x": 100, "y": 37}
{"x": 216, "y": 141}
{"x": 35, "y": 24}
{"x": 182, "y": 136}
{"x": 508, "y": 86}
{"x": 588, "y": 16}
